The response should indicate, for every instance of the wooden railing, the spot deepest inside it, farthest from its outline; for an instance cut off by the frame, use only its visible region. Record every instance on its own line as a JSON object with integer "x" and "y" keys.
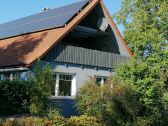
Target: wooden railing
{"x": 78, "y": 55}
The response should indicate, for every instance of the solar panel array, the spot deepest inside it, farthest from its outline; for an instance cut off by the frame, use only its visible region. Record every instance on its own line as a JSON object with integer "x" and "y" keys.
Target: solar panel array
{"x": 50, "y": 19}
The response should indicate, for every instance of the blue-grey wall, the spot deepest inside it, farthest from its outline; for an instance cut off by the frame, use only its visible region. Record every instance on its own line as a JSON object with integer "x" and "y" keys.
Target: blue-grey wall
{"x": 82, "y": 72}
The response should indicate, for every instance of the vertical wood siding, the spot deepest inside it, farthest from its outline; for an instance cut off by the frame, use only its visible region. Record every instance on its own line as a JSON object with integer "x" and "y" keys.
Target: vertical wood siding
{"x": 79, "y": 55}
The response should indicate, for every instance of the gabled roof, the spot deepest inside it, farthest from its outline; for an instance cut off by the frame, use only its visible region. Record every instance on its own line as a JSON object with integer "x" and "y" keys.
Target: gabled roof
{"x": 23, "y": 50}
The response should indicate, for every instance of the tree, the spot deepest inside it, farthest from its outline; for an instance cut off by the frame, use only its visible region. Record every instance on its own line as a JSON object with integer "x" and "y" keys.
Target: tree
{"x": 42, "y": 78}
{"x": 41, "y": 89}
{"x": 145, "y": 32}
{"x": 146, "y": 26}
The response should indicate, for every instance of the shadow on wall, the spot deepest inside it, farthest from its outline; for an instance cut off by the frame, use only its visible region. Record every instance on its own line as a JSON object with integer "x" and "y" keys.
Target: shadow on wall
{"x": 14, "y": 51}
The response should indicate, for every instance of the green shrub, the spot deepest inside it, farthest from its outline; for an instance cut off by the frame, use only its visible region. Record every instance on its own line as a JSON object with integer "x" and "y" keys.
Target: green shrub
{"x": 42, "y": 78}
{"x": 115, "y": 103}
{"x": 143, "y": 121}
{"x": 84, "y": 121}
{"x": 41, "y": 88}
{"x": 24, "y": 97}
{"x": 52, "y": 113}
{"x": 36, "y": 121}
{"x": 56, "y": 121}
{"x": 21, "y": 97}
{"x": 14, "y": 97}
{"x": 87, "y": 100}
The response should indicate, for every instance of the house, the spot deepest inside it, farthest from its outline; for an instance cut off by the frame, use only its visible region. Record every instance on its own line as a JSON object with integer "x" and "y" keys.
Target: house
{"x": 78, "y": 41}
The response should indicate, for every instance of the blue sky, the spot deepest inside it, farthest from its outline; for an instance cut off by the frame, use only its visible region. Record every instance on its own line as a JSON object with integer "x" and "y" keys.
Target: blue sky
{"x": 14, "y": 9}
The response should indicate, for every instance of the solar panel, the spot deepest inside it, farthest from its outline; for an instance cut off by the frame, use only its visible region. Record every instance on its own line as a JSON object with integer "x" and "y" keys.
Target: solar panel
{"x": 50, "y": 19}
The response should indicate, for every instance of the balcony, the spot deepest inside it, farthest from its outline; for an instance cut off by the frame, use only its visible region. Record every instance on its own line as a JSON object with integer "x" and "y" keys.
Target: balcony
{"x": 78, "y": 55}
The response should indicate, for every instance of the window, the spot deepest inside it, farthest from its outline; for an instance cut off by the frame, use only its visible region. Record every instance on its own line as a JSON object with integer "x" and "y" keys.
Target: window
{"x": 64, "y": 84}
{"x": 15, "y": 76}
{"x": 100, "y": 80}
{"x": 6, "y": 76}
{"x": 1, "y": 77}
{"x": 9, "y": 76}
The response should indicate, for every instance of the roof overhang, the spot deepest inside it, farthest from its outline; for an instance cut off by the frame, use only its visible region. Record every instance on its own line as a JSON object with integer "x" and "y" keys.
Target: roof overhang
{"x": 14, "y": 69}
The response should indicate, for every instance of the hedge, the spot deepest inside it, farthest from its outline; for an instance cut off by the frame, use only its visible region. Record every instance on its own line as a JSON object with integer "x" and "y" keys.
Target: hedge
{"x": 14, "y": 97}
{"x": 57, "y": 121}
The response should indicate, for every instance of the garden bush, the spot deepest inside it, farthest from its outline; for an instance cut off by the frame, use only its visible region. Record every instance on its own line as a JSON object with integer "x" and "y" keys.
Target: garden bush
{"x": 115, "y": 103}
{"x": 14, "y": 97}
{"x": 21, "y": 97}
{"x": 27, "y": 97}
{"x": 56, "y": 121}
{"x": 84, "y": 121}
{"x": 42, "y": 88}
{"x": 88, "y": 101}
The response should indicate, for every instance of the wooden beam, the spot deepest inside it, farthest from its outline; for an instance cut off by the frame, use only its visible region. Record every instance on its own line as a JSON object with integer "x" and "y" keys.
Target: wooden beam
{"x": 89, "y": 31}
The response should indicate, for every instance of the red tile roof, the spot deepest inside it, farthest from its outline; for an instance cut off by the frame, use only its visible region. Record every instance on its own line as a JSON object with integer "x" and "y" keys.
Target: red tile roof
{"x": 23, "y": 50}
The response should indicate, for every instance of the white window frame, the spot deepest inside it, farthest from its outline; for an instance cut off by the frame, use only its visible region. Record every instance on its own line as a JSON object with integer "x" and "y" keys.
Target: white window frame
{"x": 73, "y": 84}
{"x": 11, "y": 76}
{"x": 101, "y": 82}
{"x": 102, "y": 79}
{"x": 1, "y": 77}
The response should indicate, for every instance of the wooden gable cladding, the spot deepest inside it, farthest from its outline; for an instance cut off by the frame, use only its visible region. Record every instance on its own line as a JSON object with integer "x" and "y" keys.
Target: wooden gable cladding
{"x": 116, "y": 29}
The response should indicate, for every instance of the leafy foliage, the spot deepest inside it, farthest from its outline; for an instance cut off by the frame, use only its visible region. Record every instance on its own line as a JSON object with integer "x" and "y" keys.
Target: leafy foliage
{"x": 56, "y": 121}
{"x": 84, "y": 120}
{"x": 42, "y": 78}
{"x": 117, "y": 106}
{"x": 24, "y": 97}
{"x": 42, "y": 83}
{"x": 14, "y": 97}
{"x": 146, "y": 27}
{"x": 87, "y": 100}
